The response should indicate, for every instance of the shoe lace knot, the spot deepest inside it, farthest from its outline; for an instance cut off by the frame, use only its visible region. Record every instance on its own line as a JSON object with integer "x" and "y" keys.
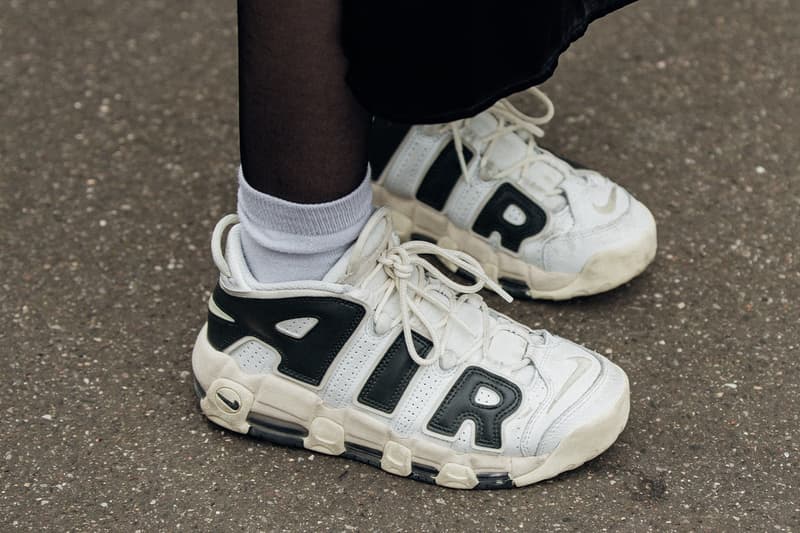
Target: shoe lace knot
{"x": 397, "y": 263}
{"x": 414, "y": 281}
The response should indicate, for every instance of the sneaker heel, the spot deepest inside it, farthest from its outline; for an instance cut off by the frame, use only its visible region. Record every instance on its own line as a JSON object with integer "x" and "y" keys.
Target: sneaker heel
{"x": 227, "y": 404}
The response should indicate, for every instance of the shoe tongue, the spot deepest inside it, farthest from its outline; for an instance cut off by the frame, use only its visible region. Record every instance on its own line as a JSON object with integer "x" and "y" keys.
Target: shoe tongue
{"x": 483, "y": 124}
{"x": 539, "y": 180}
{"x": 506, "y": 150}
{"x": 360, "y": 258}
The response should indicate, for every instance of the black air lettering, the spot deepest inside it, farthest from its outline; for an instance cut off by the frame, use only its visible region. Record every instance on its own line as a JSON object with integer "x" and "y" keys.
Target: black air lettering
{"x": 306, "y": 359}
{"x": 442, "y": 177}
{"x": 391, "y": 377}
{"x": 459, "y": 405}
{"x": 491, "y": 217}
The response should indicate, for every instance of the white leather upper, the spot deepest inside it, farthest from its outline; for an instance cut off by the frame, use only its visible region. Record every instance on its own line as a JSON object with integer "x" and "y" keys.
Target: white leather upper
{"x": 587, "y": 213}
{"x": 563, "y": 385}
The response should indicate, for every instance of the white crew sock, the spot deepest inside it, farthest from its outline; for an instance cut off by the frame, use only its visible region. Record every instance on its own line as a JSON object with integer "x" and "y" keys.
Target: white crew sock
{"x": 287, "y": 241}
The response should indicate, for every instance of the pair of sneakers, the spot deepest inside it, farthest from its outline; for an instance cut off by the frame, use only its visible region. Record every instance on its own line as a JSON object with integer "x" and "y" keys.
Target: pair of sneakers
{"x": 389, "y": 361}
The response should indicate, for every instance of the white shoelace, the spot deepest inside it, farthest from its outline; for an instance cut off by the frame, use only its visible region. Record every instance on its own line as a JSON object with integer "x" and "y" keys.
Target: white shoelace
{"x": 510, "y": 121}
{"x": 414, "y": 280}
{"x": 410, "y": 276}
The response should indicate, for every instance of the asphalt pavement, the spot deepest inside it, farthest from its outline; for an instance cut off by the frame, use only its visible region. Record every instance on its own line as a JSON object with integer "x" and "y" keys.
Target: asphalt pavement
{"x": 118, "y": 151}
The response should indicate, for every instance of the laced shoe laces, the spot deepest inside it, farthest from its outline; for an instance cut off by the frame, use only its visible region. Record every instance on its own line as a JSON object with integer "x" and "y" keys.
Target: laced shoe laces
{"x": 410, "y": 281}
{"x": 510, "y": 120}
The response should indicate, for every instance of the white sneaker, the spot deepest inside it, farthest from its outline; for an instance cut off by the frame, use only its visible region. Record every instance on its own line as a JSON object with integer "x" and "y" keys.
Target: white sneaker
{"x": 389, "y": 362}
{"x": 539, "y": 226}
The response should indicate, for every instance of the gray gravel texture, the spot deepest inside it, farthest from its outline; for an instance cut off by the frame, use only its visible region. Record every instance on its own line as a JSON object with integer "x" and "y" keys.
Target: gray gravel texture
{"x": 118, "y": 146}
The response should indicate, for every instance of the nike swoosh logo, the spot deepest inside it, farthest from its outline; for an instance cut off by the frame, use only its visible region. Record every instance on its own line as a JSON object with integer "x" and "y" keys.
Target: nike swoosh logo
{"x": 610, "y": 205}
{"x": 582, "y": 365}
{"x": 233, "y": 404}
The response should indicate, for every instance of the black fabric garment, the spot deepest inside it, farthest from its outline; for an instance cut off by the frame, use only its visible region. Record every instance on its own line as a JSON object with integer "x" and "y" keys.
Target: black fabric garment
{"x": 428, "y": 62}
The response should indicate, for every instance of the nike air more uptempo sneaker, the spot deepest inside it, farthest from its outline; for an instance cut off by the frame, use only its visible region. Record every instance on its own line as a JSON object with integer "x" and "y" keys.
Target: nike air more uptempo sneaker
{"x": 389, "y": 362}
{"x": 537, "y": 225}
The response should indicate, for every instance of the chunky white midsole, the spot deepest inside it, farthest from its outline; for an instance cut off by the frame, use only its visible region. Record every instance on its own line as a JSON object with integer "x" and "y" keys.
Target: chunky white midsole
{"x": 602, "y": 272}
{"x": 331, "y": 431}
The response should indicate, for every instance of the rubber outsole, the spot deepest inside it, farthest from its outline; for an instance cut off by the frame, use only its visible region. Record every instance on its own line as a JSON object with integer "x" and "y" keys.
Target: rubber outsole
{"x": 347, "y": 433}
{"x": 276, "y": 432}
{"x": 602, "y": 272}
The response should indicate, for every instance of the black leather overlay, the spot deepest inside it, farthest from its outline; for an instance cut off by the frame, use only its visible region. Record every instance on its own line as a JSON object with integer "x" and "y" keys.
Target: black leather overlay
{"x": 306, "y": 359}
{"x": 459, "y": 405}
{"x": 491, "y": 217}
{"x": 442, "y": 177}
{"x": 222, "y": 333}
{"x": 384, "y": 138}
{"x": 394, "y": 372}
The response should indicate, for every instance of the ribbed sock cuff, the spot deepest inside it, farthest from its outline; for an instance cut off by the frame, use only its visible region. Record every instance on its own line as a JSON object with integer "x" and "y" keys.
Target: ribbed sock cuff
{"x": 297, "y": 228}
{"x": 305, "y": 219}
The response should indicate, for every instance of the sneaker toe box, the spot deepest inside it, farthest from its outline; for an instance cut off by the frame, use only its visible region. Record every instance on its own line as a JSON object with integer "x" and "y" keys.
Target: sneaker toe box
{"x": 630, "y": 229}
{"x": 587, "y": 393}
